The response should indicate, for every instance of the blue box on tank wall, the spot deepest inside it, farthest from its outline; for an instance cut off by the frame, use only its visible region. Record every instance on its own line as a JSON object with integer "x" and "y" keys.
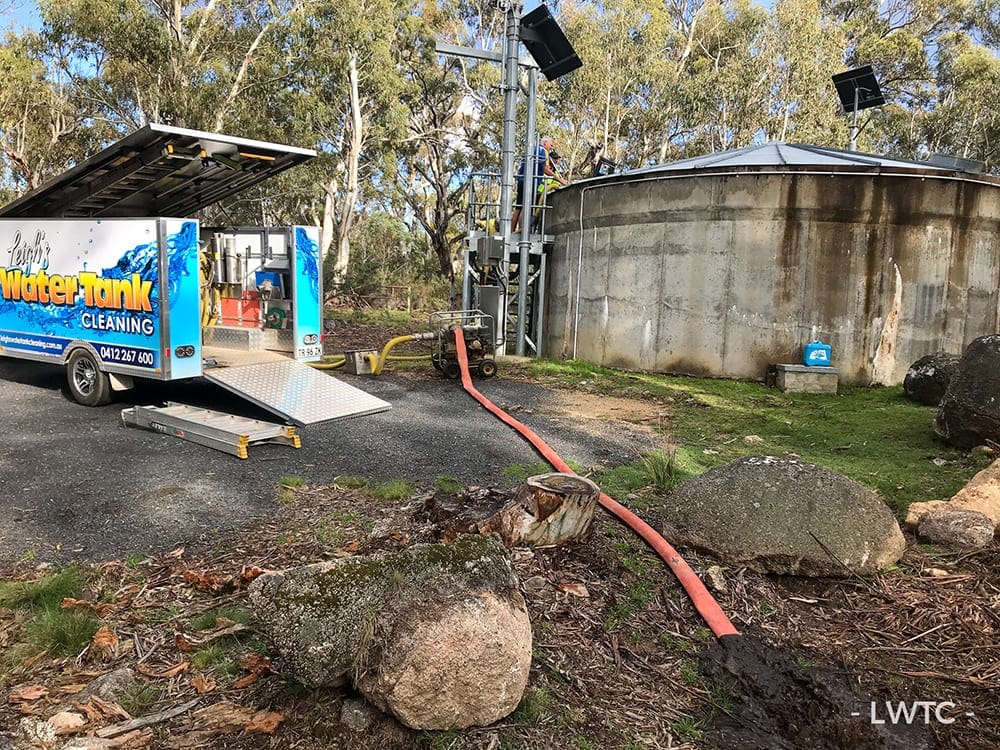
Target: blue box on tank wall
{"x": 816, "y": 353}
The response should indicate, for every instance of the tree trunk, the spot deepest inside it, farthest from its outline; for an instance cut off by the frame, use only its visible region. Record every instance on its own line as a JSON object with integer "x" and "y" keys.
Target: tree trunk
{"x": 353, "y": 158}
{"x": 548, "y": 509}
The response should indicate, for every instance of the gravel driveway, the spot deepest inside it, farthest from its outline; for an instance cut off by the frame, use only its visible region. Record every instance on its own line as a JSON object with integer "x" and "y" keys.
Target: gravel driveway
{"x": 75, "y": 483}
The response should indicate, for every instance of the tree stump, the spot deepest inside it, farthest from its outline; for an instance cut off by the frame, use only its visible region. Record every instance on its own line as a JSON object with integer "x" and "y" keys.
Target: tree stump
{"x": 548, "y": 509}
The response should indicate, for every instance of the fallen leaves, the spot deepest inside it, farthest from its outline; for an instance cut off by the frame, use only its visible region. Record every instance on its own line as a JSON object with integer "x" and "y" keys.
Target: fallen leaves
{"x": 187, "y": 643}
{"x": 224, "y": 717}
{"x": 263, "y": 722}
{"x": 210, "y": 583}
{"x": 257, "y": 665}
{"x": 99, "y": 710}
{"x": 576, "y": 589}
{"x": 164, "y": 673}
{"x": 203, "y": 683}
{"x": 103, "y": 641}
{"x": 213, "y": 583}
{"x": 28, "y": 693}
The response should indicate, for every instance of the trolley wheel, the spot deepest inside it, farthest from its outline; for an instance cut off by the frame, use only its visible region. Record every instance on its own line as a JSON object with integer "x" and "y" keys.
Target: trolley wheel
{"x": 87, "y": 384}
{"x": 451, "y": 369}
{"x": 487, "y": 368}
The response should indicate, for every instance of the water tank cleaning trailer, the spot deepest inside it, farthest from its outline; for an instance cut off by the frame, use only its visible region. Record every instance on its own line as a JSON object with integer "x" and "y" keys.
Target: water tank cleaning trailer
{"x": 100, "y": 273}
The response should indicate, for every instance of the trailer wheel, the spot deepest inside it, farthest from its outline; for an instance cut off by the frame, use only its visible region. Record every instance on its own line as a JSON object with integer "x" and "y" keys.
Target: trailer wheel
{"x": 451, "y": 370}
{"x": 88, "y": 385}
{"x": 487, "y": 368}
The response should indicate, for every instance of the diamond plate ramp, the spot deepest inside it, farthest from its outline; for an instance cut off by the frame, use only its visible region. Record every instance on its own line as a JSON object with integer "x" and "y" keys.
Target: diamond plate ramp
{"x": 296, "y": 391}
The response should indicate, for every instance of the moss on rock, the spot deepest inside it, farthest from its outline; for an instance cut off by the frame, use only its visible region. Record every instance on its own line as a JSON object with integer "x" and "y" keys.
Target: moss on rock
{"x": 328, "y": 619}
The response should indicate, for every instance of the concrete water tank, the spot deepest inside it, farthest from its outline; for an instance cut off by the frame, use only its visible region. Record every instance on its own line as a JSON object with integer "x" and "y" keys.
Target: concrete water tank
{"x": 725, "y": 264}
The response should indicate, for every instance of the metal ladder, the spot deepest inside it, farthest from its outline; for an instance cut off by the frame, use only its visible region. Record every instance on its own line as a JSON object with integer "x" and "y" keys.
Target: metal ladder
{"x": 213, "y": 429}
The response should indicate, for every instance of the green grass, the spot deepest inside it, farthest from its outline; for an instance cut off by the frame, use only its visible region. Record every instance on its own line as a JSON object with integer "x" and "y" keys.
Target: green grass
{"x": 286, "y": 488}
{"x": 374, "y": 317}
{"x": 208, "y": 620}
{"x": 394, "y": 489}
{"x": 138, "y": 697}
{"x": 687, "y": 729}
{"x": 873, "y": 435}
{"x": 218, "y": 656}
{"x": 536, "y": 704}
{"x": 350, "y": 482}
{"x": 44, "y": 593}
{"x": 447, "y": 483}
{"x": 60, "y": 632}
{"x": 520, "y": 472}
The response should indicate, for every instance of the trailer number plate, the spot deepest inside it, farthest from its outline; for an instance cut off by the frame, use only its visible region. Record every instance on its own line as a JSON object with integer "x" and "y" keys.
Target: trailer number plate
{"x": 126, "y": 355}
{"x": 309, "y": 351}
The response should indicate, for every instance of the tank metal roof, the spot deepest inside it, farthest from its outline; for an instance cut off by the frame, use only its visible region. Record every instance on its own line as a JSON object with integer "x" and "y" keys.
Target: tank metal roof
{"x": 779, "y": 154}
{"x": 158, "y": 170}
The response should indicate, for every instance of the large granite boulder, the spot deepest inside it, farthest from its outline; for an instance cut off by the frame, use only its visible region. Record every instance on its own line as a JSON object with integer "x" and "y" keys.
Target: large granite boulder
{"x": 437, "y": 634}
{"x": 981, "y": 494}
{"x": 956, "y": 527}
{"x": 782, "y": 515}
{"x": 927, "y": 379}
{"x": 969, "y": 413}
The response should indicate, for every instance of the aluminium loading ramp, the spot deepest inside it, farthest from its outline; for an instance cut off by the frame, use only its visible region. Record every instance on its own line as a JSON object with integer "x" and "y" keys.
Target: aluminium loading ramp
{"x": 213, "y": 429}
{"x": 295, "y": 391}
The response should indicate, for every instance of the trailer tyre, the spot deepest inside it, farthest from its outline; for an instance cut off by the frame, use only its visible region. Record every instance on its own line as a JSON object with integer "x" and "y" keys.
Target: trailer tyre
{"x": 87, "y": 384}
{"x": 487, "y": 368}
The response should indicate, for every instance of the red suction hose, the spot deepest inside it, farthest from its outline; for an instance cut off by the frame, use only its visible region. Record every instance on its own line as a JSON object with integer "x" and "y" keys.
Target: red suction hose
{"x": 702, "y": 600}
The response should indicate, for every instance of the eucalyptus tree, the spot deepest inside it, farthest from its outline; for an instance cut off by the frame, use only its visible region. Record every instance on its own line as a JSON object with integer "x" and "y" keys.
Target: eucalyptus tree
{"x": 807, "y": 46}
{"x": 346, "y": 97}
{"x": 41, "y": 124}
{"x": 193, "y": 63}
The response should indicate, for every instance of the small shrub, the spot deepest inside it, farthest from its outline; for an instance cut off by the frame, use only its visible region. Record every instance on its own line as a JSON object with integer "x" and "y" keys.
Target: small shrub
{"x": 687, "y": 729}
{"x": 61, "y": 632}
{"x": 139, "y": 697}
{"x": 660, "y": 468}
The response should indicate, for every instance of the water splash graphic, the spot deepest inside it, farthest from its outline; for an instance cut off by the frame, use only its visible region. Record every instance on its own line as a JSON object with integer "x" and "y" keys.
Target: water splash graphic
{"x": 307, "y": 253}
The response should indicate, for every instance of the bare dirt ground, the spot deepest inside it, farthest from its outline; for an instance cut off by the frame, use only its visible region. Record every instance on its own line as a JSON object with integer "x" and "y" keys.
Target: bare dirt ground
{"x": 621, "y": 660}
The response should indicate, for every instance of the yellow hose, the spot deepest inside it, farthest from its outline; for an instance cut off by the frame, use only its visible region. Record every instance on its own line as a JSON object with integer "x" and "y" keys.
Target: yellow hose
{"x": 332, "y": 365}
{"x": 378, "y": 363}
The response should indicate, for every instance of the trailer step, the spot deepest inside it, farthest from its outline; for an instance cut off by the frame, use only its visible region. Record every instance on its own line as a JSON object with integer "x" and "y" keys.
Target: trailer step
{"x": 213, "y": 429}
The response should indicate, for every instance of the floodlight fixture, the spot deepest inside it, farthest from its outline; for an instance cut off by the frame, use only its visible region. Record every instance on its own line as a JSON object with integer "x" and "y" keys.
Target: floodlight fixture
{"x": 858, "y": 89}
{"x": 547, "y": 44}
